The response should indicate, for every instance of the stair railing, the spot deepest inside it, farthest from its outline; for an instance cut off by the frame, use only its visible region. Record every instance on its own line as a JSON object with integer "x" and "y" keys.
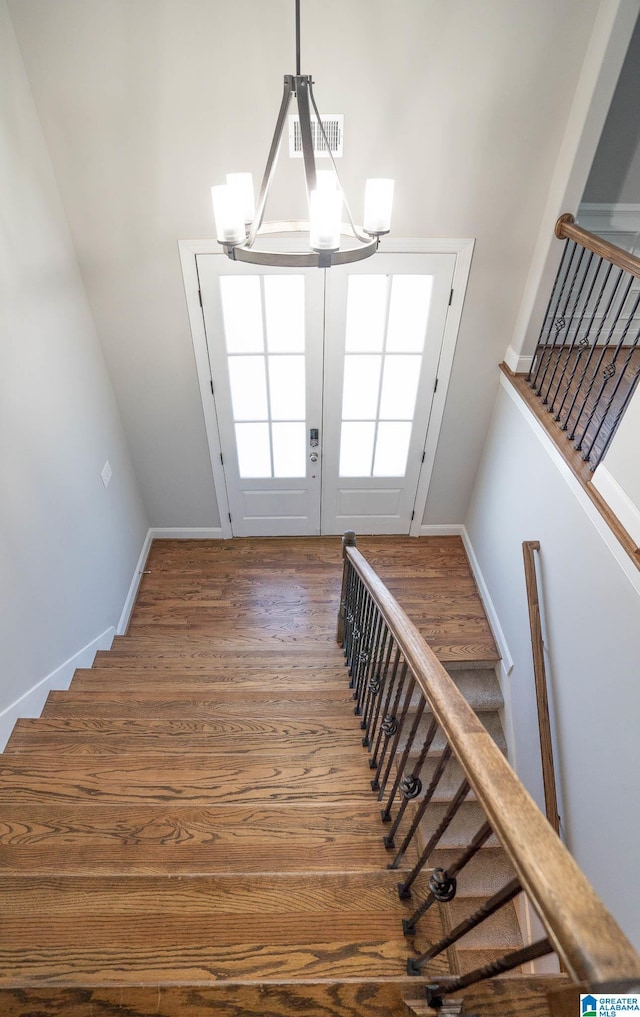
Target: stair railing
{"x": 529, "y": 547}
{"x": 587, "y": 361}
{"x": 397, "y": 683}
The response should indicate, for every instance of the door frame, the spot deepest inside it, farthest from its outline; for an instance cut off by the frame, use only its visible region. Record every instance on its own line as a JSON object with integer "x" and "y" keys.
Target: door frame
{"x": 461, "y": 247}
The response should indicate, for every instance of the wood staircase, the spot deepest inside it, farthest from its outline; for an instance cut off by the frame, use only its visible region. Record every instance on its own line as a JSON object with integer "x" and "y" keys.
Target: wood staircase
{"x": 190, "y": 829}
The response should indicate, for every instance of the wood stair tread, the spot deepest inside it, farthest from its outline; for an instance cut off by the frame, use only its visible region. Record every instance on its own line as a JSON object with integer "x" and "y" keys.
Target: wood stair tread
{"x": 101, "y": 838}
{"x": 294, "y": 680}
{"x": 199, "y": 779}
{"x": 187, "y": 705}
{"x": 325, "y": 998}
{"x": 113, "y": 737}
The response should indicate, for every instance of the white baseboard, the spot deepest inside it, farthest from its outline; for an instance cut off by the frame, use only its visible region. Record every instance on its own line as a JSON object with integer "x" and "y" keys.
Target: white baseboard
{"x": 133, "y": 588}
{"x": 485, "y": 596}
{"x": 441, "y": 530}
{"x": 31, "y": 702}
{"x": 517, "y": 363}
{"x": 618, "y": 501}
{"x": 186, "y": 533}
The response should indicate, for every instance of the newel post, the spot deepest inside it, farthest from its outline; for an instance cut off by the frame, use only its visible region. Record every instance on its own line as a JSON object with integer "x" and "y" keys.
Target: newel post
{"x": 348, "y": 540}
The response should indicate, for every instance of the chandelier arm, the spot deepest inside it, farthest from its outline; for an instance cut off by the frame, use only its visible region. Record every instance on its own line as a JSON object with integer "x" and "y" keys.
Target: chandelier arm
{"x": 299, "y": 259}
{"x": 303, "y": 90}
{"x": 289, "y": 88}
{"x": 363, "y": 237}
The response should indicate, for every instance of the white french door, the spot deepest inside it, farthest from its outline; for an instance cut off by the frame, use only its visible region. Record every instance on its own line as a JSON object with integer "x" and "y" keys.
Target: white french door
{"x": 385, "y": 322}
{"x": 265, "y": 340}
{"x": 323, "y": 385}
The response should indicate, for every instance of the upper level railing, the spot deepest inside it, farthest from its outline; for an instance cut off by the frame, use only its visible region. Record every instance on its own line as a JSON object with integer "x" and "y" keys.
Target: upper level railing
{"x": 409, "y": 705}
{"x": 587, "y": 361}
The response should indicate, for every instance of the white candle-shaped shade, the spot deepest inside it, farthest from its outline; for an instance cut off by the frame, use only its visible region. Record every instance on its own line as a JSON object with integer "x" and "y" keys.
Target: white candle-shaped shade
{"x": 227, "y": 209}
{"x": 325, "y": 210}
{"x": 326, "y": 180}
{"x": 378, "y": 199}
{"x": 242, "y": 184}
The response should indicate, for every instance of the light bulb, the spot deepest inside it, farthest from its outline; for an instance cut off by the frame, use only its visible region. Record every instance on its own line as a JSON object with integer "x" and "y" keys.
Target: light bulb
{"x": 325, "y": 210}
{"x": 378, "y": 199}
{"x": 227, "y": 209}
{"x": 242, "y": 184}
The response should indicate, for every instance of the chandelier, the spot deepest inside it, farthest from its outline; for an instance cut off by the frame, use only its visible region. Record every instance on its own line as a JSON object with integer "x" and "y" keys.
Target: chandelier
{"x": 239, "y": 219}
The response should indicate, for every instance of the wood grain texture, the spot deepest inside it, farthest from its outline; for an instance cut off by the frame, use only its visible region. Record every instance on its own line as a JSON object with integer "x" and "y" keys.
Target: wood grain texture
{"x": 190, "y": 828}
{"x": 529, "y": 547}
{"x": 312, "y": 999}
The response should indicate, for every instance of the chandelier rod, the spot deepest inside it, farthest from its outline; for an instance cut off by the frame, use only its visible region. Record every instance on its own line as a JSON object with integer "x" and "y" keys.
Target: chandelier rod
{"x": 297, "y": 37}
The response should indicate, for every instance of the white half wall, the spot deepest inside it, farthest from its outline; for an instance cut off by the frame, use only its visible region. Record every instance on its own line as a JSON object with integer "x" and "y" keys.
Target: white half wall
{"x": 68, "y": 544}
{"x": 590, "y": 601}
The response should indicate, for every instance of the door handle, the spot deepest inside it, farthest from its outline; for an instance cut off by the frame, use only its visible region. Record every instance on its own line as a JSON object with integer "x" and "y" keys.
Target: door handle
{"x": 313, "y": 457}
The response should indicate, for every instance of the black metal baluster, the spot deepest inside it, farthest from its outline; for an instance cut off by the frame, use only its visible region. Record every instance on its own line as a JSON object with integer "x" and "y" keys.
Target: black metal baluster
{"x": 450, "y": 875}
{"x": 576, "y": 340}
{"x": 570, "y": 315}
{"x": 350, "y": 619}
{"x": 585, "y": 342}
{"x": 619, "y": 415}
{"x": 385, "y": 691}
{"x": 422, "y": 808}
{"x": 560, "y": 322}
{"x": 554, "y": 300}
{"x": 369, "y": 660}
{"x": 605, "y": 413}
{"x": 356, "y": 641}
{"x": 436, "y": 991}
{"x": 397, "y": 727}
{"x": 404, "y": 889}
{"x": 386, "y": 728}
{"x": 604, "y": 349}
{"x": 605, "y": 317}
{"x": 499, "y": 900}
{"x": 348, "y": 611}
{"x": 375, "y": 680}
{"x": 386, "y": 812}
{"x": 415, "y": 774}
{"x": 364, "y": 650}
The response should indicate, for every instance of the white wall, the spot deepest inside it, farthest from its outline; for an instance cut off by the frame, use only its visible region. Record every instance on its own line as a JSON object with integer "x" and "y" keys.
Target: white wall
{"x": 68, "y": 547}
{"x": 591, "y": 603}
{"x": 145, "y": 103}
{"x": 615, "y": 173}
{"x": 617, "y": 478}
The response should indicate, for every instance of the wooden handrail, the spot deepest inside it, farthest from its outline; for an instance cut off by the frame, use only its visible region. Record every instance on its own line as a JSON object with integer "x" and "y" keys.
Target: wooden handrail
{"x": 529, "y": 547}
{"x": 589, "y": 942}
{"x": 567, "y": 229}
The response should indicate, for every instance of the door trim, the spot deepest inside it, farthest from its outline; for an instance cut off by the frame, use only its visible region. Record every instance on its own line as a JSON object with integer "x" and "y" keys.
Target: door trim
{"x": 461, "y": 247}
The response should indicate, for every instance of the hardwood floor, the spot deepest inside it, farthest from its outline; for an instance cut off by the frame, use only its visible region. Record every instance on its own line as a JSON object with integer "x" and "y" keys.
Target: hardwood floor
{"x": 190, "y": 828}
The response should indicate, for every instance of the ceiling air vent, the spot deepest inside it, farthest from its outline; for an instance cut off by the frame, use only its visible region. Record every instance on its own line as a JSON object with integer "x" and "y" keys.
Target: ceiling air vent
{"x": 333, "y": 124}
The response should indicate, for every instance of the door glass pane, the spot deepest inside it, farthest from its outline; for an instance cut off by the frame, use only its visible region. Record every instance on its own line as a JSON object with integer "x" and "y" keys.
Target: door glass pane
{"x": 242, "y": 313}
{"x": 286, "y": 388}
{"x": 366, "y": 313}
{"x": 284, "y": 313}
{"x": 409, "y": 313}
{"x": 356, "y": 448}
{"x": 392, "y": 449}
{"x": 248, "y": 388}
{"x": 399, "y": 387}
{"x": 254, "y": 451}
{"x": 361, "y": 387}
{"x": 289, "y": 449}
